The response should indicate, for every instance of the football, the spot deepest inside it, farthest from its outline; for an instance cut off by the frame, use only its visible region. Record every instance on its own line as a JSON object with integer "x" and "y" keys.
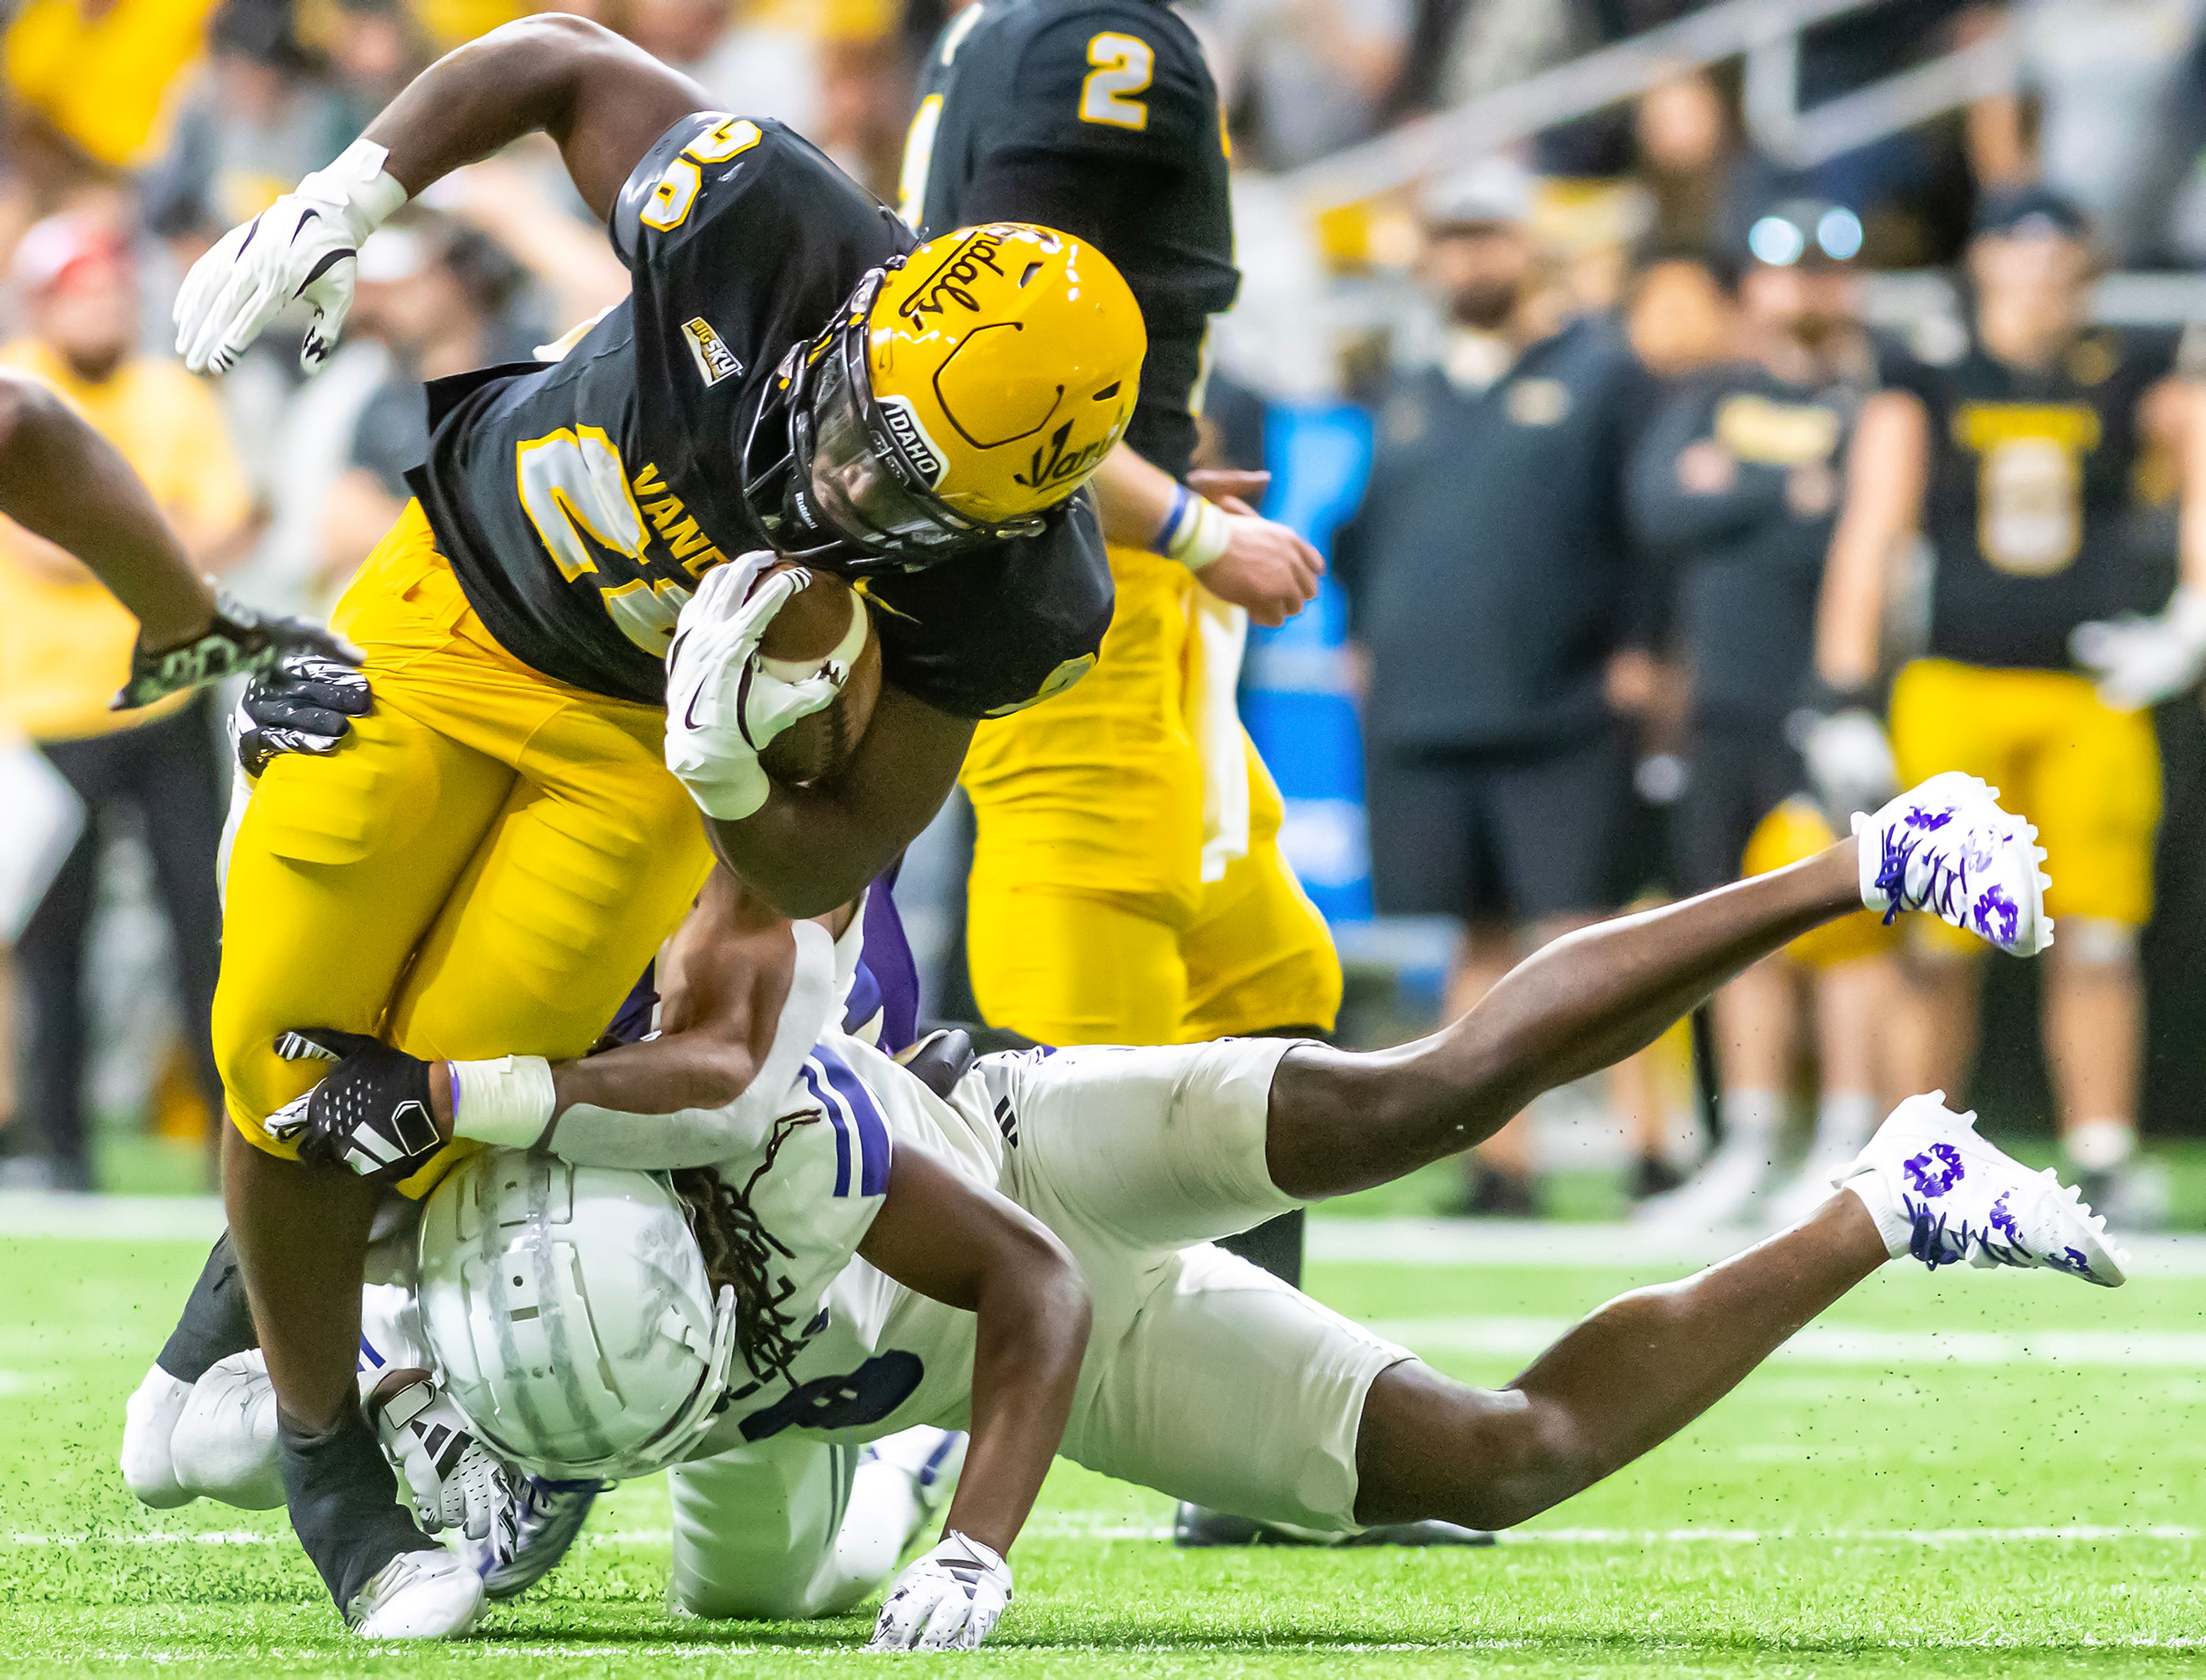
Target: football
{"x": 815, "y": 626}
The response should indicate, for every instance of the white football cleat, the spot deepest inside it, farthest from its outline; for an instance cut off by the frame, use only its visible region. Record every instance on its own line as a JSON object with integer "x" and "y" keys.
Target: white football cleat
{"x": 1946, "y": 847}
{"x": 417, "y": 1596}
{"x": 149, "y": 1425}
{"x": 1938, "y": 1192}
{"x": 224, "y": 1445}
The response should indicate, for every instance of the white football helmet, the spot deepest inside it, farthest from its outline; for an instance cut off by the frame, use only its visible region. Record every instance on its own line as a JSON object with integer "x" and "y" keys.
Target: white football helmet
{"x": 570, "y": 1316}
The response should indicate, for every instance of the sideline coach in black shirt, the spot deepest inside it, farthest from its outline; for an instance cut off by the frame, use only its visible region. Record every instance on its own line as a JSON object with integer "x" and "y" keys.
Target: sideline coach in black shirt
{"x": 1491, "y": 588}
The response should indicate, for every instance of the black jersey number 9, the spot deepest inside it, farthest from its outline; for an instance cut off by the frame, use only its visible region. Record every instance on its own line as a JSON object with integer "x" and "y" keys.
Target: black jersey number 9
{"x": 680, "y": 181}
{"x": 859, "y": 1397}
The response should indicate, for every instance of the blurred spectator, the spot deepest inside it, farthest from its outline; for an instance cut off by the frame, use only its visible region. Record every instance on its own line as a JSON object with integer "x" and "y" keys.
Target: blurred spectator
{"x": 756, "y": 56}
{"x": 440, "y": 298}
{"x": 372, "y": 48}
{"x": 1490, "y": 45}
{"x": 88, "y": 83}
{"x": 259, "y": 117}
{"x": 834, "y": 72}
{"x": 1696, "y": 161}
{"x": 1306, "y": 77}
{"x": 451, "y": 23}
{"x": 2098, "y": 117}
{"x": 1489, "y": 578}
{"x": 1735, "y": 488}
{"x": 2016, "y": 452}
{"x": 65, "y": 649}
{"x": 1680, "y": 312}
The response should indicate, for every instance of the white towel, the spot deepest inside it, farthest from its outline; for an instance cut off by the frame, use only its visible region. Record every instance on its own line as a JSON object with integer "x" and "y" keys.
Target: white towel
{"x": 1221, "y": 633}
{"x": 44, "y": 817}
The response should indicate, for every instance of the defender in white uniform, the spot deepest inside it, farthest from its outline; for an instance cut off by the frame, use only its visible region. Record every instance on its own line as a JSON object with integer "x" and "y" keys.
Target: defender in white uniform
{"x": 1027, "y": 1256}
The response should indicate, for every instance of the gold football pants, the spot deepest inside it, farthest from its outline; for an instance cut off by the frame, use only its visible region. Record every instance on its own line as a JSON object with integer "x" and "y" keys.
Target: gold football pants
{"x": 2088, "y": 775}
{"x": 482, "y": 868}
{"x": 1088, "y": 919}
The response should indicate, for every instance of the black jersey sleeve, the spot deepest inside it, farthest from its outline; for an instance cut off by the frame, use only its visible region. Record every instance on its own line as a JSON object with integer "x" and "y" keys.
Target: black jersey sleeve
{"x": 998, "y": 630}
{"x": 690, "y": 177}
{"x": 1125, "y": 82}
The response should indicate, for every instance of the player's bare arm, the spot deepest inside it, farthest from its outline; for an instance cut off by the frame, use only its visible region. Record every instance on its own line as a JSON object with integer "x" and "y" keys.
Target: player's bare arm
{"x": 726, "y": 976}
{"x": 1842, "y": 738}
{"x": 1886, "y": 477}
{"x": 60, "y": 481}
{"x": 1240, "y": 555}
{"x": 968, "y": 1247}
{"x": 604, "y": 100}
{"x": 809, "y": 848}
{"x": 723, "y": 980}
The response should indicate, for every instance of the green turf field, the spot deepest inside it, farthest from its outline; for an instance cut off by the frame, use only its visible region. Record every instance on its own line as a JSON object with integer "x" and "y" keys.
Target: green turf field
{"x": 1989, "y": 1473}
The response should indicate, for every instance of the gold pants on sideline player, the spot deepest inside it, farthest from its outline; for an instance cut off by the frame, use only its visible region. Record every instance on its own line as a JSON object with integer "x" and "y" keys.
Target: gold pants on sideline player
{"x": 1794, "y": 831}
{"x": 1088, "y": 919}
{"x": 2088, "y": 775}
{"x": 482, "y": 869}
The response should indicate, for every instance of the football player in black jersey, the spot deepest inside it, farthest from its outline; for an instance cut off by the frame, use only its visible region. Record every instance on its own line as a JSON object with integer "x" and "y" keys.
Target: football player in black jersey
{"x": 1735, "y": 486}
{"x": 1128, "y": 886}
{"x": 500, "y": 848}
{"x": 2015, "y": 449}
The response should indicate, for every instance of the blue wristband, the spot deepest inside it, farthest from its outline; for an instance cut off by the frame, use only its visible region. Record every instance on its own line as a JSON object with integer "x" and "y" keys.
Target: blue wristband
{"x": 1183, "y": 503}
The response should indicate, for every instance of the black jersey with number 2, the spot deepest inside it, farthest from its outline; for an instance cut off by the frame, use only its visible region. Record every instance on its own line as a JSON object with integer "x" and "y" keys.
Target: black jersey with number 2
{"x": 1098, "y": 117}
{"x": 581, "y": 501}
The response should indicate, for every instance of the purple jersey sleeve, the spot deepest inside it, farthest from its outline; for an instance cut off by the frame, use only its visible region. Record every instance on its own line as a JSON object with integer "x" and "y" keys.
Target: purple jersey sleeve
{"x": 886, "y": 987}
{"x": 887, "y": 983}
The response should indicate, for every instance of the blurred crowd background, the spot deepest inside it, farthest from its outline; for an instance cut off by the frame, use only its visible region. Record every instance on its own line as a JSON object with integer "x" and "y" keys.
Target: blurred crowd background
{"x": 1636, "y": 144}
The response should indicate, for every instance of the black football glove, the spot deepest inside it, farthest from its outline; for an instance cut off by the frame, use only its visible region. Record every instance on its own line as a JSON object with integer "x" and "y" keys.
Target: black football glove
{"x": 371, "y": 1112}
{"x": 239, "y": 639}
{"x": 303, "y": 704}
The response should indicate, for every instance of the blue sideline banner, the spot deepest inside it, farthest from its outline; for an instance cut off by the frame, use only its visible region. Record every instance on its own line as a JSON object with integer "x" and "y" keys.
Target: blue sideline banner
{"x": 1294, "y": 688}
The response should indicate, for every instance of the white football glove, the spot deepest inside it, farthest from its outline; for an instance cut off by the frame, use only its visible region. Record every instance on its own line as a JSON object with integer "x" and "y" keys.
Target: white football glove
{"x": 1849, "y": 759}
{"x": 302, "y": 246}
{"x": 721, "y": 708}
{"x": 2140, "y": 661}
{"x": 452, "y": 1480}
{"x": 948, "y": 1600}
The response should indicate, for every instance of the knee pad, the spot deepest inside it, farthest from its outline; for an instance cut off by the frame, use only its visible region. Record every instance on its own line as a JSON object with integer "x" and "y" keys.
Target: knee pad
{"x": 225, "y": 1444}
{"x": 149, "y": 1427}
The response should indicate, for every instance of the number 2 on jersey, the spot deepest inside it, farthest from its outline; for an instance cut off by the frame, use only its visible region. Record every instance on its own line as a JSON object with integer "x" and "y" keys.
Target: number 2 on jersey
{"x": 572, "y": 484}
{"x": 1124, "y": 66}
{"x": 678, "y": 183}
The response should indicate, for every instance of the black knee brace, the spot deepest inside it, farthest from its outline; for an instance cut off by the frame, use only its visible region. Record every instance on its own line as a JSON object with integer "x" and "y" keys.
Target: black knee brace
{"x": 344, "y": 1499}
{"x": 218, "y": 1319}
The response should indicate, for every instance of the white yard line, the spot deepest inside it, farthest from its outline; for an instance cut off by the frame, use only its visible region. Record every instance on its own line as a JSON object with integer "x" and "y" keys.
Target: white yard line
{"x": 1047, "y": 1527}
{"x": 111, "y": 1219}
{"x": 1537, "y": 1244}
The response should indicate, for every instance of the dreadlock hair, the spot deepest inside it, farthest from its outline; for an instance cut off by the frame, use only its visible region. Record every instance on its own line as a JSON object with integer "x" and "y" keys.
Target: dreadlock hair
{"x": 739, "y": 1254}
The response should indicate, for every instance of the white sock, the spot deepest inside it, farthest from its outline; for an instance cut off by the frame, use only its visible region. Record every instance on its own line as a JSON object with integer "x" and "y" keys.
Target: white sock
{"x": 1844, "y": 1121}
{"x": 1875, "y": 1194}
{"x": 1751, "y": 1121}
{"x": 2099, "y": 1146}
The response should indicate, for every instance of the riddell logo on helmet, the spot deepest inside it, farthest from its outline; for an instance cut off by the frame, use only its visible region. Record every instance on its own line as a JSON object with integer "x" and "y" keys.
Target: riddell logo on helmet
{"x": 953, "y": 278}
{"x": 903, "y": 422}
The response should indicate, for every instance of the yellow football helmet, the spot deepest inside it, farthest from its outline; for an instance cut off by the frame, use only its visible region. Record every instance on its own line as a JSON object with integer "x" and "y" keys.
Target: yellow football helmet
{"x": 967, "y": 391}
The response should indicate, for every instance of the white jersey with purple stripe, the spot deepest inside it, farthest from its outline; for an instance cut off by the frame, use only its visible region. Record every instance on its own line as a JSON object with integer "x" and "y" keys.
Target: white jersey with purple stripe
{"x": 869, "y": 1349}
